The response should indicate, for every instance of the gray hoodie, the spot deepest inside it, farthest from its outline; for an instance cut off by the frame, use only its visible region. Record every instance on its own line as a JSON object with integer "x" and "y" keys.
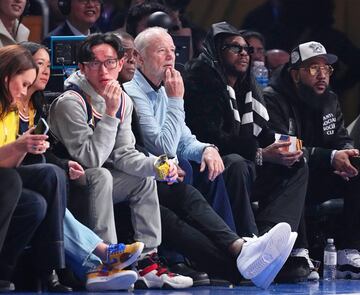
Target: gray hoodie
{"x": 111, "y": 141}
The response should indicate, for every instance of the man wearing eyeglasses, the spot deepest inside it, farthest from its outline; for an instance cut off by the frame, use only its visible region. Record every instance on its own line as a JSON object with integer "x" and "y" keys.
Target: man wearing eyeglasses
{"x": 224, "y": 105}
{"x": 301, "y": 103}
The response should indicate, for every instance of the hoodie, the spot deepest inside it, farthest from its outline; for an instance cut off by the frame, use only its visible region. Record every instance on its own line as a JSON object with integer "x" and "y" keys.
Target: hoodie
{"x": 207, "y": 101}
{"x": 100, "y": 140}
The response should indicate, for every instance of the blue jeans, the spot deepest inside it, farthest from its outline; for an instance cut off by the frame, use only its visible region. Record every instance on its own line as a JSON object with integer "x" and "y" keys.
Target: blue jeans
{"x": 79, "y": 243}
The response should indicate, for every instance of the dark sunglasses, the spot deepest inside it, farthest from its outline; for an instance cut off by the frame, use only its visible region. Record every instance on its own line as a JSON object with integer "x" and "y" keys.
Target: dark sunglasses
{"x": 238, "y": 48}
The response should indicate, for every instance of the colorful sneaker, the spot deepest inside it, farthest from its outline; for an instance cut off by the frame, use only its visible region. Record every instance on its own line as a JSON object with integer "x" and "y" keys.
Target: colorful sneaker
{"x": 348, "y": 264}
{"x": 120, "y": 255}
{"x": 104, "y": 278}
{"x": 302, "y": 252}
{"x": 153, "y": 274}
{"x": 264, "y": 279}
{"x": 259, "y": 253}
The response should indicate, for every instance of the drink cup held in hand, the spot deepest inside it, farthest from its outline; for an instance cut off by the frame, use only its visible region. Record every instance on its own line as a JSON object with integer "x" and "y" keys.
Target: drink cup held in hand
{"x": 295, "y": 143}
{"x": 162, "y": 167}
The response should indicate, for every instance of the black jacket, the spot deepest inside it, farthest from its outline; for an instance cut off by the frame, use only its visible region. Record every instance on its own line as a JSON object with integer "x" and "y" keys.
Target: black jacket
{"x": 207, "y": 102}
{"x": 321, "y": 130}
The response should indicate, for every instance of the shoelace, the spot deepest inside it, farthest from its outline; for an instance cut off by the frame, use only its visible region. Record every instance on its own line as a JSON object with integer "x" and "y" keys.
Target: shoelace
{"x": 303, "y": 252}
{"x": 250, "y": 239}
{"x": 353, "y": 255}
{"x": 114, "y": 249}
{"x": 162, "y": 268}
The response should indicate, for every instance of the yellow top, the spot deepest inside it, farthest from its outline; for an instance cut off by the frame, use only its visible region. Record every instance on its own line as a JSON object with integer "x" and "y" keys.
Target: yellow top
{"x": 9, "y": 128}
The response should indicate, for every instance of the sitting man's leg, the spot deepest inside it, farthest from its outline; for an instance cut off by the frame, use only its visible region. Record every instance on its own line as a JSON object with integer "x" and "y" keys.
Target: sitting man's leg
{"x": 91, "y": 202}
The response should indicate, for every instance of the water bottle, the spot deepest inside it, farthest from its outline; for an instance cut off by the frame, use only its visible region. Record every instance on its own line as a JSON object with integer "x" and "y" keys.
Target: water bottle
{"x": 330, "y": 261}
{"x": 261, "y": 73}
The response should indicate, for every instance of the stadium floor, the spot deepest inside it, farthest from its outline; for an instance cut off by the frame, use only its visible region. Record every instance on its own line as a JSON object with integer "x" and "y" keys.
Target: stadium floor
{"x": 335, "y": 287}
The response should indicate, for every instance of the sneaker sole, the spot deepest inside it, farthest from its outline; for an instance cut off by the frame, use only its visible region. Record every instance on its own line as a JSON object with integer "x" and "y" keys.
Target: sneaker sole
{"x": 264, "y": 279}
{"x": 277, "y": 241}
{"x": 131, "y": 260}
{"x": 122, "y": 281}
{"x": 313, "y": 276}
{"x": 148, "y": 283}
{"x": 347, "y": 275}
{"x": 204, "y": 282}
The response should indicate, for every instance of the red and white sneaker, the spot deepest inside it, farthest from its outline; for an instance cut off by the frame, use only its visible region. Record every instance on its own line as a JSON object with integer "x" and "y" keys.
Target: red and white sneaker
{"x": 153, "y": 274}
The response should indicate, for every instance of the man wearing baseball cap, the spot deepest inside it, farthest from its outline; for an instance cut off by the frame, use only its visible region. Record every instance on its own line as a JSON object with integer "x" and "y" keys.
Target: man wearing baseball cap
{"x": 300, "y": 103}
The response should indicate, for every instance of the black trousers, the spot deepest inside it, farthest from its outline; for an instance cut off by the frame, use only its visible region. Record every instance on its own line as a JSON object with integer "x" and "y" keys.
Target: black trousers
{"x": 325, "y": 185}
{"x": 191, "y": 227}
{"x": 29, "y": 212}
{"x": 281, "y": 193}
{"x": 239, "y": 176}
{"x": 10, "y": 191}
{"x": 44, "y": 186}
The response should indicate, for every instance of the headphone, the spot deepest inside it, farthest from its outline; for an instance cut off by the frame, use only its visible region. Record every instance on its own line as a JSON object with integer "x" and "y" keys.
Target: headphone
{"x": 65, "y": 6}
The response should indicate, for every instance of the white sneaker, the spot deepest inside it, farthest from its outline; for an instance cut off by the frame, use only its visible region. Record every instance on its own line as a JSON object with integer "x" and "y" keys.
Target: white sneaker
{"x": 258, "y": 254}
{"x": 153, "y": 274}
{"x": 348, "y": 264}
{"x": 302, "y": 252}
{"x": 264, "y": 279}
{"x": 104, "y": 278}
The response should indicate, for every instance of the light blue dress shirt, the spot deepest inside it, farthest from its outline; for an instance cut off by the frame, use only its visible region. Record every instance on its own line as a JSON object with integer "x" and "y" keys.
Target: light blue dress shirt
{"x": 162, "y": 121}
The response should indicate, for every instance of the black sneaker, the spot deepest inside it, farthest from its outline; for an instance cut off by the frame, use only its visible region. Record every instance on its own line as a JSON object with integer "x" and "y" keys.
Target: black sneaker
{"x": 199, "y": 278}
{"x": 295, "y": 270}
{"x": 6, "y": 286}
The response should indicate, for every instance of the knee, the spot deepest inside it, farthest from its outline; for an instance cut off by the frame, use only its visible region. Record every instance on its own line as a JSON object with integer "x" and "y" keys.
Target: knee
{"x": 100, "y": 176}
{"x": 11, "y": 185}
{"x": 241, "y": 166}
{"x": 53, "y": 173}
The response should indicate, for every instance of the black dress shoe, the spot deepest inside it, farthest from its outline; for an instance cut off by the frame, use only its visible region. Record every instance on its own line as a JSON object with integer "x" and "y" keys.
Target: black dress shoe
{"x": 216, "y": 281}
{"x": 6, "y": 286}
{"x": 199, "y": 278}
{"x": 295, "y": 270}
{"x": 53, "y": 284}
{"x": 67, "y": 277}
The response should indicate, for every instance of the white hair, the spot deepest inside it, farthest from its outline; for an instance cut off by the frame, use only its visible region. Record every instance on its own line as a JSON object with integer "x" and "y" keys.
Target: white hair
{"x": 144, "y": 38}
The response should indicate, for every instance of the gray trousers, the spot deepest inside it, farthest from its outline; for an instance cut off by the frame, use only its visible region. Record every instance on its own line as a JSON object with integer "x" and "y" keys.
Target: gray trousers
{"x": 141, "y": 193}
{"x": 92, "y": 204}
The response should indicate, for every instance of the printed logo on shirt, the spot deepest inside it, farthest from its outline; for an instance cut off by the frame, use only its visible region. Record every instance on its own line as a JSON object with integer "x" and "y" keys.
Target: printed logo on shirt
{"x": 329, "y": 122}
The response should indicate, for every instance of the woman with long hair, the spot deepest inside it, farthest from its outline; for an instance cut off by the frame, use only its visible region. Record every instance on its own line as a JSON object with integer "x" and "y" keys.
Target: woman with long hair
{"x": 44, "y": 183}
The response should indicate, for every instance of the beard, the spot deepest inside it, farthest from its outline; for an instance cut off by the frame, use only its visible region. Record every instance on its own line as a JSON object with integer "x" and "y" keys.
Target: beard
{"x": 231, "y": 70}
{"x": 310, "y": 98}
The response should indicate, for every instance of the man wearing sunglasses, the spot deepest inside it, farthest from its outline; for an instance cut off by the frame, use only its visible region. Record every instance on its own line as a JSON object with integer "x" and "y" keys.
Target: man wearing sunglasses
{"x": 224, "y": 105}
{"x": 301, "y": 103}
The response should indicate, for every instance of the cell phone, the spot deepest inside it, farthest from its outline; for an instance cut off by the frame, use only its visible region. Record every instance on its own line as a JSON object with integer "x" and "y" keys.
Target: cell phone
{"x": 355, "y": 161}
{"x": 42, "y": 127}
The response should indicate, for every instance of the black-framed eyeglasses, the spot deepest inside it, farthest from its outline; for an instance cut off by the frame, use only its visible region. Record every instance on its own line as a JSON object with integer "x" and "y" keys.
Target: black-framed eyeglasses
{"x": 235, "y": 48}
{"x": 110, "y": 64}
{"x": 314, "y": 70}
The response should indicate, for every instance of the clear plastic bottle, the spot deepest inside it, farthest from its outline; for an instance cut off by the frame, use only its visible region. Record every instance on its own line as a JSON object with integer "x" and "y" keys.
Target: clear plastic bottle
{"x": 330, "y": 261}
{"x": 261, "y": 73}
